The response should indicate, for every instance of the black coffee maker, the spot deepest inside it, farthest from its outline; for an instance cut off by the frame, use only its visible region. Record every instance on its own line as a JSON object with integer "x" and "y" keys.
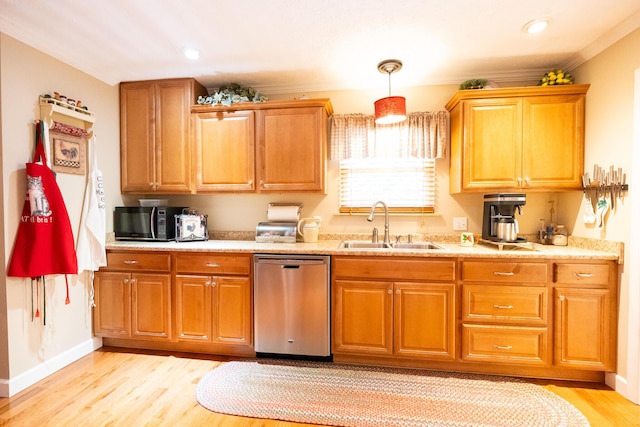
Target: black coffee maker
{"x": 499, "y": 223}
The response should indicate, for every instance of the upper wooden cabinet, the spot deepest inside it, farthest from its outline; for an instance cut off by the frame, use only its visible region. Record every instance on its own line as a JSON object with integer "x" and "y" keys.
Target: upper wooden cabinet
{"x": 154, "y": 135}
{"x": 273, "y": 146}
{"x": 292, "y": 149}
{"x": 529, "y": 138}
{"x": 224, "y": 154}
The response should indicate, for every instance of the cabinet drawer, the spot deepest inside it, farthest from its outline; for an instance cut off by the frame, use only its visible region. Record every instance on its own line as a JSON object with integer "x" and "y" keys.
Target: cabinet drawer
{"x": 503, "y": 344}
{"x": 394, "y": 268}
{"x": 504, "y": 304}
{"x": 583, "y": 274}
{"x": 213, "y": 264}
{"x": 133, "y": 261}
{"x": 504, "y": 272}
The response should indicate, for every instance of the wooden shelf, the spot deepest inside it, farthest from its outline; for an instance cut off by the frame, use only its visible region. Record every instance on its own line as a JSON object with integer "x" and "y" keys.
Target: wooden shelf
{"x": 52, "y": 109}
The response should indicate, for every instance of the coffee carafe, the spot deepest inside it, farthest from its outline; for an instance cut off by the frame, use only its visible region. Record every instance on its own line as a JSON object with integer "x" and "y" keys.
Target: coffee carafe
{"x": 499, "y": 223}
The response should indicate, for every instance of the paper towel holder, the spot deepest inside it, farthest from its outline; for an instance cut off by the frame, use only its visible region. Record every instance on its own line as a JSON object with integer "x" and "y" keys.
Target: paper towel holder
{"x": 299, "y": 205}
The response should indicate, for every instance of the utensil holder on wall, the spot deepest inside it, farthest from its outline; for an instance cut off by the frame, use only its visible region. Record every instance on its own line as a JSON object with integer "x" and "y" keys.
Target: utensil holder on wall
{"x": 610, "y": 184}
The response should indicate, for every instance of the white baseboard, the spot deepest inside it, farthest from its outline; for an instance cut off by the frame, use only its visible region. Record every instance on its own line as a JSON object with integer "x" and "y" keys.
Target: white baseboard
{"x": 622, "y": 386}
{"x": 15, "y": 385}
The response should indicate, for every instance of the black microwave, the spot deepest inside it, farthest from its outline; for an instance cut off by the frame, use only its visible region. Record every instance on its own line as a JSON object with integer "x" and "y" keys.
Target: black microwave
{"x": 145, "y": 222}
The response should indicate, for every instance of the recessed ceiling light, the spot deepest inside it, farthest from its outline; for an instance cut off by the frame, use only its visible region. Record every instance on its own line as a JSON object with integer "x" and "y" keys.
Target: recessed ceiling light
{"x": 191, "y": 53}
{"x": 535, "y": 26}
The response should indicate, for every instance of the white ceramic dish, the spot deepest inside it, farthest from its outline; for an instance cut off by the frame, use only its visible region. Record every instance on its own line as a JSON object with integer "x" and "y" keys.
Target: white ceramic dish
{"x": 153, "y": 202}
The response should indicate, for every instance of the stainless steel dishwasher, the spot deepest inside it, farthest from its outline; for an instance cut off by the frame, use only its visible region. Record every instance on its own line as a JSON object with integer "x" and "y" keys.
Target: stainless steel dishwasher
{"x": 292, "y": 305}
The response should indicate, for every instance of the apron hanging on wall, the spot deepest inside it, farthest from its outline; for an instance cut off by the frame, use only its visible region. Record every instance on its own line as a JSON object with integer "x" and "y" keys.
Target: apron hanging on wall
{"x": 91, "y": 244}
{"x": 44, "y": 243}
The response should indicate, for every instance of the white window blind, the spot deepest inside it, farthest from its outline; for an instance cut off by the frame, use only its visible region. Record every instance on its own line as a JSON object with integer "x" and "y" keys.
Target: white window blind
{"x": 404, "y": 184}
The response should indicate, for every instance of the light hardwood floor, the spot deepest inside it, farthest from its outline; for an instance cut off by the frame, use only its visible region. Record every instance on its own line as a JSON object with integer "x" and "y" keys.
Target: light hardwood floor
{"x": 116, "y": 387}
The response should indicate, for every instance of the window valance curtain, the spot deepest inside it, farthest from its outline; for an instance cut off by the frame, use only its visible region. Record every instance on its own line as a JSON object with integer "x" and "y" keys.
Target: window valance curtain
{"x": 422, "y": 135}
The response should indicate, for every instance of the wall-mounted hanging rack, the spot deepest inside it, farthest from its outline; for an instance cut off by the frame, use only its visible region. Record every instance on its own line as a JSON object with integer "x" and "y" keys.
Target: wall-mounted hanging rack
{"x": 611, "y": 184}
{"x": 54, "y": 110}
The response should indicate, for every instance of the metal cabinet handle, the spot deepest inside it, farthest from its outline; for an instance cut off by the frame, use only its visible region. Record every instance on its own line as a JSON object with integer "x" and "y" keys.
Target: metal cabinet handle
{"x": 503, "y": 307}
{"x": 502, "y": 347}
{"x": 126, "y": 281}
{"x": 503, "y": 273}
{"x": 130, "y": 261}
{"x": 389, "y": 291}
{"x": 212, "y": 265}
{"x": 583, "y": 274}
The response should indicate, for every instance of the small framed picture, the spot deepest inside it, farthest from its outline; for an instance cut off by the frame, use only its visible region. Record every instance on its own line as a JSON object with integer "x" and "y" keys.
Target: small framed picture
{"x": 68, "y": 153}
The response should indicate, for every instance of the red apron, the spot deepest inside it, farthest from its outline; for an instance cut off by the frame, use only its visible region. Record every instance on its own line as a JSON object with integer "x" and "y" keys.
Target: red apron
{"x": 44, "y": 243}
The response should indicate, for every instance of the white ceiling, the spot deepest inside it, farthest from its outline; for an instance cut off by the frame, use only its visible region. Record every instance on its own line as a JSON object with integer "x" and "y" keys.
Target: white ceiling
{"x": 282, "y": 46}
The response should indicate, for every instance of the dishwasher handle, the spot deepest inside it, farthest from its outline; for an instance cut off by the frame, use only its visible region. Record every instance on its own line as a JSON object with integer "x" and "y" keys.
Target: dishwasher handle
{"x": 290, "y": 262}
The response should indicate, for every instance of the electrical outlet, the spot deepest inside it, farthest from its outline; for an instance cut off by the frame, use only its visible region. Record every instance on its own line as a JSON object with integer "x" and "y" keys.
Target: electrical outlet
{"x": 459, "y": 224}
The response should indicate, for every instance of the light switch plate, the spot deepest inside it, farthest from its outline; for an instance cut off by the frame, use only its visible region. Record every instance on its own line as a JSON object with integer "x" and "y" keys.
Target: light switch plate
{"x": 459, "y": 224}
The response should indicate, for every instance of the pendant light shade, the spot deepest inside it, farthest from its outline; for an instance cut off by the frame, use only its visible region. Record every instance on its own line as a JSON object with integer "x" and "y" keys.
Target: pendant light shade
{"x": 391, "y": 109}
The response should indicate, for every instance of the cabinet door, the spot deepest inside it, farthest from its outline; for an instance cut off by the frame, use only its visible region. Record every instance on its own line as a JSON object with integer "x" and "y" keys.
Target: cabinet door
{"x": 292, "y": 149}
{"x": 553, "y": 147}
{"x": 583, "y": 329}
{"x": 112, "y": 313}
{"x": 224, "y": 151}
{"x": 363, "y": 318}
{"x": 424, "y": 320}
{"x": 492, "y": 143}
{"x": 137, "y": 136}
{"x": 193, "y": 308}
{"x": 172, "y": 146}
{"x": 151, "y": 306}
{"x": 231, "y": 310}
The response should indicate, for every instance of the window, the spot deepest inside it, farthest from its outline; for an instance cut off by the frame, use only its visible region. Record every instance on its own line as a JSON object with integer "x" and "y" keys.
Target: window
{"x": 394, "y": 163}
{"x": 405, "y": 185}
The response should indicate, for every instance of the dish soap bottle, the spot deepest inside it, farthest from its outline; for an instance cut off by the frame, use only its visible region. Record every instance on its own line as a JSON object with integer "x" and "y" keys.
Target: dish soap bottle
{"x": 560, "y": 236}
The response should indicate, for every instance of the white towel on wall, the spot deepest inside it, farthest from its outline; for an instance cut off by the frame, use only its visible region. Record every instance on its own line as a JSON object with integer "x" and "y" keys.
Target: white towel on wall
{"x": 91, "y": 245}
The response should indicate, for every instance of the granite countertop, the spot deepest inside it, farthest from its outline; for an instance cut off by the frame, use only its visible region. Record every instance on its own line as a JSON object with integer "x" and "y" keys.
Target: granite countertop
{"x": 332, "y": 247}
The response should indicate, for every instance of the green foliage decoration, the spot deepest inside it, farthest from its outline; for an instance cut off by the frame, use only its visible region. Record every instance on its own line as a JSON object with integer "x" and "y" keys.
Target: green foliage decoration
{"x": 232, "y": 94}
{"x": 473, "y": 84}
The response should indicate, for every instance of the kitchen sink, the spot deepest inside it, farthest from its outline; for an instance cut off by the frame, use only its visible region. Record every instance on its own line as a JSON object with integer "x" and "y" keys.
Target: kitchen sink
{"x": 419, "y": 246}
{"x": 366, "y": 244}
{"x": 362, "y": 244}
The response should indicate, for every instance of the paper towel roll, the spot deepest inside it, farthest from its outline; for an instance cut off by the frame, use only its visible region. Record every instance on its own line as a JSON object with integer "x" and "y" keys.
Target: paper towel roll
{"x": 283, "y": 213}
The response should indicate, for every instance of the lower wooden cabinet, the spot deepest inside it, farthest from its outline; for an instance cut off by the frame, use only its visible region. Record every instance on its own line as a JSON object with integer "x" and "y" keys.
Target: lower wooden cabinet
{"x": 400, "y": 318}
{"x": 213, "y": 299}
{"x": 363, "y": 316}
{"x": 525, "y": 316}
{"x": 213, "y": 309}
{"x": 132, "y": 305}
{"x": 585, "y": 313}
{"x": 133, "y": 296}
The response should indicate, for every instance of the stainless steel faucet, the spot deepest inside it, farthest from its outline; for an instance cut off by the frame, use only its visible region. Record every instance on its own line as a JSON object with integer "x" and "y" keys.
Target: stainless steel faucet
{"x": 386, "y": 240}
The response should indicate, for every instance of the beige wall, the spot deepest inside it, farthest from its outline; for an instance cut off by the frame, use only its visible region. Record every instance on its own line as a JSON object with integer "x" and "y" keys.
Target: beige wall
{"x": 33, "y": 348}
{"x": 609, "y": 141}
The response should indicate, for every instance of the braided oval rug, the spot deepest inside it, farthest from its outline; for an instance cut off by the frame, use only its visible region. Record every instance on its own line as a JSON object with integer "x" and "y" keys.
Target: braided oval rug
{"x": 347, "y": 395}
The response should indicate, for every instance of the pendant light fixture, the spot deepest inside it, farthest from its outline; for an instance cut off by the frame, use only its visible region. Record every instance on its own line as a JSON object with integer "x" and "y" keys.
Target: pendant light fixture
{"x": 391, "y": 109}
